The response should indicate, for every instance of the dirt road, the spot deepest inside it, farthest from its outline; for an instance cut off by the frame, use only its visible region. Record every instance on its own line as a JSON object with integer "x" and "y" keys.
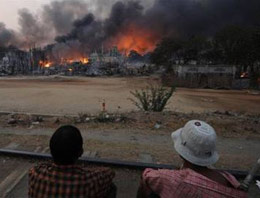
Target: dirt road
{"x": 130, "y": 145}
{"x": 63, "y": 95}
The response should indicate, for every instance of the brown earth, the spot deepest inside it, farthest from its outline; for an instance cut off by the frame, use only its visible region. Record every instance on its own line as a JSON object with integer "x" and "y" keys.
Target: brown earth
{"x": 234, "y": 115}
{"x": 74, "y": 95}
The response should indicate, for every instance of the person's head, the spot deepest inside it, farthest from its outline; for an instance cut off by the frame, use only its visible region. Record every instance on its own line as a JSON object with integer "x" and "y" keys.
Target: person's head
{"x": 196, "y": 143}
{"x": 66, "y": 145}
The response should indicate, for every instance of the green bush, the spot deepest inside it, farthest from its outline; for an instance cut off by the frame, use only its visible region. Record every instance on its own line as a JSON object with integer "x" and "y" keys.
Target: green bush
{"x": 152, "y": 98}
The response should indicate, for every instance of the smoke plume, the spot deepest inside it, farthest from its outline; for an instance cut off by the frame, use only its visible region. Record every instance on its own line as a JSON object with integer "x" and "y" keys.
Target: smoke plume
{"x": 83, "y": 26}
{"x": 7, "y": 36}
{"x": 131, "y": 25}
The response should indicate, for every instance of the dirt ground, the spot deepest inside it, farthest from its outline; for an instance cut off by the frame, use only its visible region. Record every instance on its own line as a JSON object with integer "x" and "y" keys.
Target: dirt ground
{"x": 74, "y": 95}
{"x": 234, "y": 115}
{"x": 138, "y": 133}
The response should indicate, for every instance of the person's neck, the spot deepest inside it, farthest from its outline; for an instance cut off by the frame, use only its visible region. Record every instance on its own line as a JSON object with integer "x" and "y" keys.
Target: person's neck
{"x": 194, "y": 167}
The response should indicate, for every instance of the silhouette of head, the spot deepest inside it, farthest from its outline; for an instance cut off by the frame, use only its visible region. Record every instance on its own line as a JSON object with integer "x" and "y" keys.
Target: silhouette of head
{"x": 66, "y": 145}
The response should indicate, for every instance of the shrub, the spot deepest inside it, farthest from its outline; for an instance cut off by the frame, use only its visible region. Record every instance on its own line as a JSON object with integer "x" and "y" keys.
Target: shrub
{"x": 152, "y": 98}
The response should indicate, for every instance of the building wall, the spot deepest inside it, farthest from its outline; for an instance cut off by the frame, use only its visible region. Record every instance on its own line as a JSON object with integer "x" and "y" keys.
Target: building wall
{"x": 202, "y": 76}
{"x": 182, "y": 70}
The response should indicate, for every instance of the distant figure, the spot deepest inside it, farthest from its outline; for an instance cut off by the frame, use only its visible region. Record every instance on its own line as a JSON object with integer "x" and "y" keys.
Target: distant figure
{"x": 63, "y": 178}
{"x": 196, "y": 144}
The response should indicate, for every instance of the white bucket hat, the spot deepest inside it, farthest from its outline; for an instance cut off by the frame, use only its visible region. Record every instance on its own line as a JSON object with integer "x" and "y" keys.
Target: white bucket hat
{"x": 196, "y": 142}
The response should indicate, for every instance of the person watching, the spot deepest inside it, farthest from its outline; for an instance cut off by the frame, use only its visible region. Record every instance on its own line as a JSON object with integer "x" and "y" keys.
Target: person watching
{"x": 63, "y": 178}
{"x": 196, "y": 145}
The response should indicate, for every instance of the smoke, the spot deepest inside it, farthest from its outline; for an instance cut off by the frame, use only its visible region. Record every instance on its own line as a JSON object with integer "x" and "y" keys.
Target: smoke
{"x": 164, "y": 18}
{"x": 60, "y": 15}
{"x": 186, "y": 17}
{"x": 92, "y": 32}
{"x": 32, "y": 31}
{"x": 37, "y": 30}
{"x": 102, "y": 8}
{"x": 7, "y": 37}
{"x": 86, "y": 25}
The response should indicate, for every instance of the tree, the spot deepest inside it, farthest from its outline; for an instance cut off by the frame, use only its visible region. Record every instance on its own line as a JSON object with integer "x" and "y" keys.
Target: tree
{"x": 240, "y": 46}
{"x": 235, "y": 43}
{"x": 168, "y": 50}
{"x": 194, "y": 48}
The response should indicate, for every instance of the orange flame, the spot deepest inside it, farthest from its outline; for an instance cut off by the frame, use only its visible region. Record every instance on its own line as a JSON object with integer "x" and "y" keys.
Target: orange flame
{"x": 46, "y": 64}
{"x": 135, "y": 38}
{"x": 83, "y": 60}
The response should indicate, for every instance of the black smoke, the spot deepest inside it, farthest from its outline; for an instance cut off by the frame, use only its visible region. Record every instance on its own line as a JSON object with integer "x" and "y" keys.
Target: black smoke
{"x": 39, "y": 29}
{"x": 165, "y": 18}
{"x": 187, "y": 17}
{"x": 92, "y": 33}
{"x": 71, "y": 24}
{"x": 7, "y": 37}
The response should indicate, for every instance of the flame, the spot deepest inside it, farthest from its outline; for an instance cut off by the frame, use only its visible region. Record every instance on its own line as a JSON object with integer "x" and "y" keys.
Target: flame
{"x": 135, "y": 38}
{"x": 45, "y": 64}
{"x": 244, "y": 75}
{"x": 83, "y": 60}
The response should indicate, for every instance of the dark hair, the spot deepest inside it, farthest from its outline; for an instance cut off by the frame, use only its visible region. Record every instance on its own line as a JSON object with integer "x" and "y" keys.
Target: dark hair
{"x": 66, "y": 145}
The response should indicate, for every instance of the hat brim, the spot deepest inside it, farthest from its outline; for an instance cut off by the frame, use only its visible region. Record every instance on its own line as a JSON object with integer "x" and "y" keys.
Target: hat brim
{"x": 186, "y": 154}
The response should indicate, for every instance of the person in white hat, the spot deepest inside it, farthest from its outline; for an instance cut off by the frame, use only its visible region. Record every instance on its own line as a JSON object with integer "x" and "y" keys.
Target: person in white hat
{"x": 196, "y": 145}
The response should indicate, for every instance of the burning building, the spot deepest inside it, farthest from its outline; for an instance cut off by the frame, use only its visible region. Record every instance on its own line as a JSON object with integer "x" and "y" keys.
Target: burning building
{"x": 78, "y": 33}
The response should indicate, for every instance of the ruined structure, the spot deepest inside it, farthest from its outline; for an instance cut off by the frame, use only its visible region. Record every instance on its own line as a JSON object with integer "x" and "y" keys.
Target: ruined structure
{"x": 16, "y": 62}
{"x": 203, "y": 76}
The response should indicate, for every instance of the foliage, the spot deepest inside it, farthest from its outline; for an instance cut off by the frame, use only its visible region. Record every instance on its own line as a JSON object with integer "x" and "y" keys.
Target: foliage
{"x": 152, "y": 98}
{"x": 233, "y": 45}
{"x": 166, "y": 51}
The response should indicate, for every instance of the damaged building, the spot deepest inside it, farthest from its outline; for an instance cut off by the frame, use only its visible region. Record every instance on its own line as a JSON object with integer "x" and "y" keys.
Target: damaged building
{"x": 15, "y": 62}
{"x": 204, "y": 76}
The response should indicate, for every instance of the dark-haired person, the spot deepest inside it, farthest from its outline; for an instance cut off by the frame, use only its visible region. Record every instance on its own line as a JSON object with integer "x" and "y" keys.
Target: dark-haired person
{"x": 196, "y": 144}
{"x": 63, "y": 178}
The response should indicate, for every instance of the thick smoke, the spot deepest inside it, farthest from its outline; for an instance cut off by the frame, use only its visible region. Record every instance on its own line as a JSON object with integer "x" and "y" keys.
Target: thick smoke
{"x": 60, "y": 15}
{"x": 186, "y": 17}
{"x": 102, "y": 8}
{"x": 7, "y": 37}
{"x": 32, "y": 31}
{"x": 93, "y": 33}
{"x": 165, "y": 18}
{"x": 40, "y": 29}
{"x": 86, "y": 25}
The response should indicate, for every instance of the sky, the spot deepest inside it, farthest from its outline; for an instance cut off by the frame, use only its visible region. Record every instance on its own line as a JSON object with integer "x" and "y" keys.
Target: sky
{"x": 9, "y": 8}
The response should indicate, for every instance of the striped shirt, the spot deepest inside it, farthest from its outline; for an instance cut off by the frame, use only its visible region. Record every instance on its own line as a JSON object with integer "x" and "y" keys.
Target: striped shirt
{"x": 187, "y": 183}
{"x": 73, "y": 181}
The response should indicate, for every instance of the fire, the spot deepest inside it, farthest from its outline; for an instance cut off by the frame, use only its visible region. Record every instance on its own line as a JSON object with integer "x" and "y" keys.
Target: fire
{"x": 83, "y": 60}
{"x": 136, "y": 38}
{"x": 45, "y": 64}
{"x": 244, "y": 75}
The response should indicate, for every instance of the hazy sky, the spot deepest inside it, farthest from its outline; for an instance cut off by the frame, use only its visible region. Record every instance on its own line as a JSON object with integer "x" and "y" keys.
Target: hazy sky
{"x": 9, "y": 8}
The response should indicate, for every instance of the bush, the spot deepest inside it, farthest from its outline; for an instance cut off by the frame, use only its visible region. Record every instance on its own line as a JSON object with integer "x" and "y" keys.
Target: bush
{"x": 152, "y": 98}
